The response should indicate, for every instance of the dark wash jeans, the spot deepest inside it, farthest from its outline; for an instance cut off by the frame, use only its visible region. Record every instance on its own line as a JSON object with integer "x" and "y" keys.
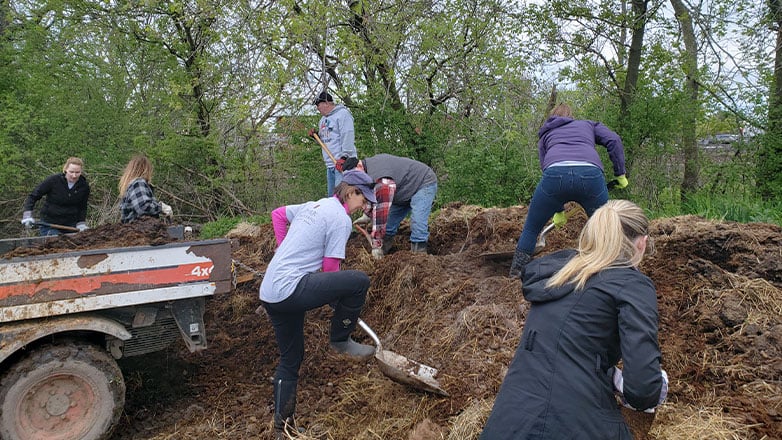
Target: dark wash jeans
{"x": 584, "y": 185}
{"x": 345, "y": 290}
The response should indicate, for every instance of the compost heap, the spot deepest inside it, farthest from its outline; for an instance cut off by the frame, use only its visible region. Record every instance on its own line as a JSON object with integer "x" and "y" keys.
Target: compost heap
{"x": 458, "y": 311}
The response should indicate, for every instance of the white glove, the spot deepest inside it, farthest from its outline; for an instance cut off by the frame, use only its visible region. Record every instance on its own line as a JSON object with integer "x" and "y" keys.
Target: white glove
{"x": 664, "y": 390}
{"x": 364, "y": 219}
{"x": 619, "y": 388}
{"x": 167, "y": 211}
{"x": 27, "y": 219}
{"x": 377, "y": 253}
{"x": 618, "y": 381}
{"x": 82, "y": 226}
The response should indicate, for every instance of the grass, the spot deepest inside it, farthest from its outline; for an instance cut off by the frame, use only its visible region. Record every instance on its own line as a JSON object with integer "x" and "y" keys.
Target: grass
{"x": 737, "y": 208}
{"x": 220, "y": 227}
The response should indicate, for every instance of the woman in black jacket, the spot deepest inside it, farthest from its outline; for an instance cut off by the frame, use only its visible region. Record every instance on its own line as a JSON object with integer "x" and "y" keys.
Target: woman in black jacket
{"x": 590, "y": 309}
{"x": 66, "y": 199}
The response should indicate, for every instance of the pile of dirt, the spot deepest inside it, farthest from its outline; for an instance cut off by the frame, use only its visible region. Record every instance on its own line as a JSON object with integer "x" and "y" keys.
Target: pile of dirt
{"x": 146, "y": 231}
{"x": 458, "y": 311}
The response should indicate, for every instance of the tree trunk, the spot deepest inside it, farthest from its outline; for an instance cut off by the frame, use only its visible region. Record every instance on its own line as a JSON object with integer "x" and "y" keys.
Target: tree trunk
{"x": 634, "y": 57}
{"x": 4, "y": 8}
{"x": 769, "y": 168}
{"x": 690, "y": 108}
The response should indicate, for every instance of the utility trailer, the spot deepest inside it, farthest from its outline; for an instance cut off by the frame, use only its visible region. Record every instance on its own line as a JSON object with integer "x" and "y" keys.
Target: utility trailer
{"x": 66, "y": 317}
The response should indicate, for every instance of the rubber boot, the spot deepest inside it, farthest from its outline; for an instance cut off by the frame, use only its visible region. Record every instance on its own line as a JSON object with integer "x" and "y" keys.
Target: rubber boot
{"x": 388, "y": 244}
{"x": 284, "y": 407}
{"x": 353, "y": 349}
{"x": 342, "y": 325}
{"x": 520, "y": 259}
{"x": 419, "y": 247}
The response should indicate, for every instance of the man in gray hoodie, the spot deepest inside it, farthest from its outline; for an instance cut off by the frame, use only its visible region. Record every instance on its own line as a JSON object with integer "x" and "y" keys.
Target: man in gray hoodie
{"x": 336, "y": 131}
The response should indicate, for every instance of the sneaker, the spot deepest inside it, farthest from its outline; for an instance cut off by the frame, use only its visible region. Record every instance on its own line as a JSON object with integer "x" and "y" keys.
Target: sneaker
{"x": 353, "y": 349}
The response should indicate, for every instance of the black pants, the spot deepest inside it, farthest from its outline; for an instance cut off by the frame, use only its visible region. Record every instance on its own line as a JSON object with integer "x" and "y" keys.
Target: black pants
{"x": 345, "y": 290}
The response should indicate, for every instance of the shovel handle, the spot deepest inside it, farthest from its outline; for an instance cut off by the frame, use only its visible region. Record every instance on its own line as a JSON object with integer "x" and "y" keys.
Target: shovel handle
{"x": 364, "y": 233}
{"x": 322, "y": 145}
{"x": 547, "y": 229}
{"x": 56, "y": 226}
{"x": 364, "y": 326}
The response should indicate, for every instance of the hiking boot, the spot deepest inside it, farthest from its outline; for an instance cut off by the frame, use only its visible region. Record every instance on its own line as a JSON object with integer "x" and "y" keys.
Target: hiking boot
{"x": 418, "y": 247}
{"x": 520, "y": 260}
{"x": 353, "y": 349}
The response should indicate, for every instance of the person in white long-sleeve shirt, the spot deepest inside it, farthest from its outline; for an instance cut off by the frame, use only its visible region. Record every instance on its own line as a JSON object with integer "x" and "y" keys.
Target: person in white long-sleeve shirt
{"x": 305, "y": 274}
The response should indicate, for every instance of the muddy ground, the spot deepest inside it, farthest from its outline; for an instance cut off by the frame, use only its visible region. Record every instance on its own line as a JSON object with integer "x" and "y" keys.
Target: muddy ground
{"x": 456, "y": 310}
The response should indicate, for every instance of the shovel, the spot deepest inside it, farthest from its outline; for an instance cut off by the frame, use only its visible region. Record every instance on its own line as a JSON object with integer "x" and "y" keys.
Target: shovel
{"x": 325, "y": 148}
{"x": 501, "y": 256}
{"x": 403, "y": 370}
{"x": 55, "y": 226}
{"x": 541, "y": 243}
{"x": 542, "y": 237}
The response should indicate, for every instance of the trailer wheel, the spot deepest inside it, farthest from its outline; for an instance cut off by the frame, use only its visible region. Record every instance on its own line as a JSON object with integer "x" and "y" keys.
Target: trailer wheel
{"x": 62, "y": 392}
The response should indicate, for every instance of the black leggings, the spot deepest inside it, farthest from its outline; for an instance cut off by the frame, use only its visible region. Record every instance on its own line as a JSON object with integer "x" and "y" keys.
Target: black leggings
{"x": 345, "y": 290}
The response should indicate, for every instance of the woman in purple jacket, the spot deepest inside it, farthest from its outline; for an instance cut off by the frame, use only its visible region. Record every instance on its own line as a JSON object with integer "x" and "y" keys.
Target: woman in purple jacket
{"x": 572, "y": 171}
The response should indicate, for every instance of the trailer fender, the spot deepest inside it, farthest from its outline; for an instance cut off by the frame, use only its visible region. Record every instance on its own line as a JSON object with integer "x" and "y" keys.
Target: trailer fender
{"x": 16, "y": 336}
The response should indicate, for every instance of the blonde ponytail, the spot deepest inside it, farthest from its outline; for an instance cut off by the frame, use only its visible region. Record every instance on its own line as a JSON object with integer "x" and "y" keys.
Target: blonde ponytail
{"x": 607, "y": 240}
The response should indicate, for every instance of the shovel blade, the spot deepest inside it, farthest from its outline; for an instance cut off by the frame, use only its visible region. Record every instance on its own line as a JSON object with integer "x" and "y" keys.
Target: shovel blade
{"x": 403, "y": 370}
{"x": 542, "y": 238}
{"x": 410, "y": 372}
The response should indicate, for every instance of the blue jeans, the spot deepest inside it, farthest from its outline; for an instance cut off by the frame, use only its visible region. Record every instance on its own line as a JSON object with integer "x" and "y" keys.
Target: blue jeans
{"x": 584, "y": 185}
{"x": 333, "y": 178}
{"x": 419, "y": 208}
{"x": 345, "y": 290}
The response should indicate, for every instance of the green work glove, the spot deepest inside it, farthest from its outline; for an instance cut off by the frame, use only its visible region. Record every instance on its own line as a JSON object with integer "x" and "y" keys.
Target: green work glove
{"x": 621, "y": 181}
{"x": 559, "y": 219}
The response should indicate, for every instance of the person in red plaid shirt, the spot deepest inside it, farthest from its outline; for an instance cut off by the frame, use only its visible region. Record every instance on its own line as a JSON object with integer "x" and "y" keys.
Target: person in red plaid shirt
{"x": 402, "y": 186}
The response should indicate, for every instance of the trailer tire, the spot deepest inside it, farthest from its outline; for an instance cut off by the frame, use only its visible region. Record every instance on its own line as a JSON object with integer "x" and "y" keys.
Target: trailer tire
{"x": 65, "y": 391}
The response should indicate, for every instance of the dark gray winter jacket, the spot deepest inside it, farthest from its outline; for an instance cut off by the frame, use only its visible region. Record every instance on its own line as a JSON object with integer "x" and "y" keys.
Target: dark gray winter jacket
{"x": 558, "y": 385}
{"x": 62, "y": 205}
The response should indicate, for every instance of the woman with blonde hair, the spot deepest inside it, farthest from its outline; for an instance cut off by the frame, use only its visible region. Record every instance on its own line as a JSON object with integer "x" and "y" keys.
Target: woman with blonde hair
{"x": 137, "y": 198}
{"x": 590, "y": 309}
{"x": 66, "y": 195}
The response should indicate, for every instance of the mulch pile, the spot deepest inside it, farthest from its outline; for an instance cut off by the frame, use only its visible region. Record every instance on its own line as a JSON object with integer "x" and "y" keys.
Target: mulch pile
{"x": 456, "y": 310}
{"x": 146, "y": 231}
